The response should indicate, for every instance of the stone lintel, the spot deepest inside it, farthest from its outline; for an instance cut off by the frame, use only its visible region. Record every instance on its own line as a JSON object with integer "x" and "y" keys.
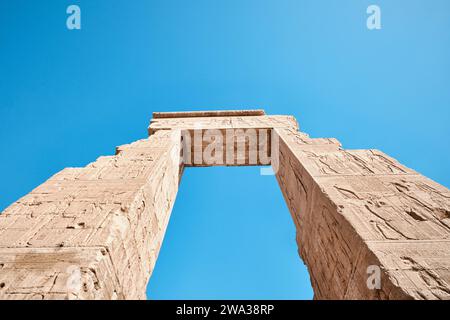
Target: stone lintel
{"x": 212, "y": 113}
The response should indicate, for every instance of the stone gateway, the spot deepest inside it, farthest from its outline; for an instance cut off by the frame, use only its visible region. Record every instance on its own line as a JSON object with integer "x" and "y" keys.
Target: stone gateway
{"x": 367, "y": 226}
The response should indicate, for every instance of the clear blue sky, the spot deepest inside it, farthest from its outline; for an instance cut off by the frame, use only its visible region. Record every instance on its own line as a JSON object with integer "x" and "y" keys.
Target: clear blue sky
{"x": 67, "y": 97}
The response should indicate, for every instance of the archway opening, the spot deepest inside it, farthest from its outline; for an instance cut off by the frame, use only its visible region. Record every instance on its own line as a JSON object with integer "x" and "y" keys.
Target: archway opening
{"x": 230, "y": 236}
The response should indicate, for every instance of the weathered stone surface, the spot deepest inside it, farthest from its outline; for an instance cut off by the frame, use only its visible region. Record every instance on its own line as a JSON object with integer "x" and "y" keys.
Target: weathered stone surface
{"x": 107, "y": 219}
{"x": 58, "y": 273}
{"x": 220, "y": 123}
{"x": 95, "y": 232}
{"x": 359, "y": 208}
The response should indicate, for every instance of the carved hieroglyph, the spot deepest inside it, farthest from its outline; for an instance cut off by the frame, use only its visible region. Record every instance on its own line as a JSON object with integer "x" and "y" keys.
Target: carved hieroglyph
{"x": 95, "y": 232}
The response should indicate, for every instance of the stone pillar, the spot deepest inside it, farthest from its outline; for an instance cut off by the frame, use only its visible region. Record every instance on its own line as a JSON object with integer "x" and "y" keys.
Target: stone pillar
{"x": 93, "y": 232}
{"x": 360, "y": 210}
